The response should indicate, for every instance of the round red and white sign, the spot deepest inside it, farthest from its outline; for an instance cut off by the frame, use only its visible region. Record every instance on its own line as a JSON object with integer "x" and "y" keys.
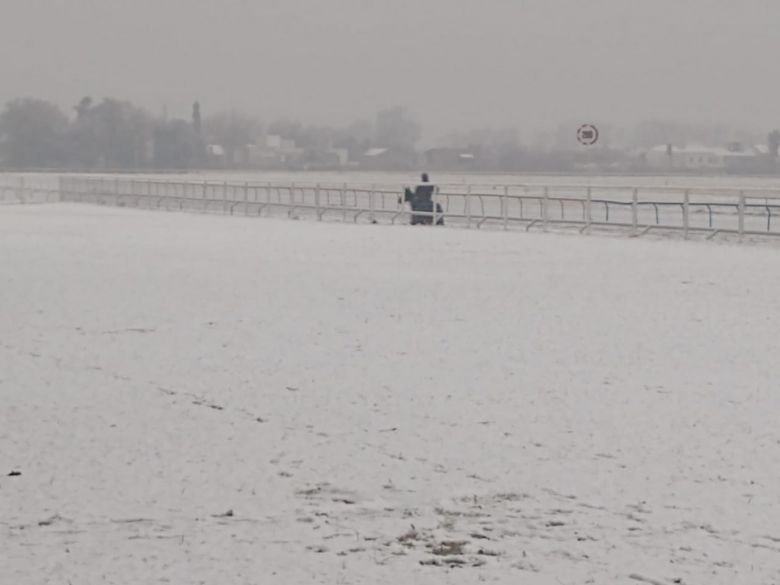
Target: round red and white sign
{"x": 587, "y": 135}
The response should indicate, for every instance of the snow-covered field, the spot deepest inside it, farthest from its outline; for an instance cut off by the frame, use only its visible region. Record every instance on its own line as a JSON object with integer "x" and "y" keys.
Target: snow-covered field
{"x": 205, "y": 399}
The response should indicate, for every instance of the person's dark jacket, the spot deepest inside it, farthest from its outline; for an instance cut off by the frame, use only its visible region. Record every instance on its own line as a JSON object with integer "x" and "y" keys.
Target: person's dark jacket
{"x": 421, "y": 199}
{"x": 421, "y": 196}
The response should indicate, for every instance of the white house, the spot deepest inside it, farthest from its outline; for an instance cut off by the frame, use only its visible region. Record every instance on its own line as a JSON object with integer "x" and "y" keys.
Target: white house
{"x": 736, "y": 157}
{"x": 691, "y": 157}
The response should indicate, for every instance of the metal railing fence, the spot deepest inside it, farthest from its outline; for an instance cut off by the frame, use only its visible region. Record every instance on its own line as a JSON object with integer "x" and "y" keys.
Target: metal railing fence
{"x": 636, "y": 209}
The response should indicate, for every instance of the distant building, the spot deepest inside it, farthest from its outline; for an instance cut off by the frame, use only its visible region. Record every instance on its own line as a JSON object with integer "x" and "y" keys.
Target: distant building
{"x": 341, "y": 155}
{"x": 735, "y": 157}
{"x": 330, "y": 159}
{"x": 215, "y": 155}
{"x": 273, "y": 142}
{"x": 275, "y": 152}
{"x": 691, "y": 157}
{"x": 389, "y": 159}
{"x": 740, "y": 158}
{"x": 449, "y": 159}
{"x": 375, "y": 152}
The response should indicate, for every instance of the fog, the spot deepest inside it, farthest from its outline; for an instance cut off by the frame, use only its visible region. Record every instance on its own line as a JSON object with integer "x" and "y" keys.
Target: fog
{"x": 455, "y": 63}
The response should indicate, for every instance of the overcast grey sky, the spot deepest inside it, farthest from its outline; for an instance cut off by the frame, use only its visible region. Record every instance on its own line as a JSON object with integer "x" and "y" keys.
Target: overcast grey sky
{"x": 456, "y": 63}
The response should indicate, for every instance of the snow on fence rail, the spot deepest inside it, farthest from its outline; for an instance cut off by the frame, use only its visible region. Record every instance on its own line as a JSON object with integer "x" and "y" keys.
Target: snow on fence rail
{"x": 638, "y": 210}
{"x": 23, "y": 189}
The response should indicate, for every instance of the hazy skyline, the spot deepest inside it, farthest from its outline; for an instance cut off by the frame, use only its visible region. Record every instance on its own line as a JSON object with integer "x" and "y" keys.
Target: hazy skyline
{"x": 455, "y": 63}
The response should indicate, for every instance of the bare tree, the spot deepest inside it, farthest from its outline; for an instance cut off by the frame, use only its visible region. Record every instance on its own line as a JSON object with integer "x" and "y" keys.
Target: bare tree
{"x": 113, "y": 134}
{"x": 33, "y": 133}
{"x": 233, "y": 131}
{"x": 396, "y": 128}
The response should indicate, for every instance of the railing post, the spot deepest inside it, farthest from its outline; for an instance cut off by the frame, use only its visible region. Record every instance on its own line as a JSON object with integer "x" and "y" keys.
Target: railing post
{"x": 291, "y": 206}
{"x": 741, "y": 215}
{"x": 635, "y": 211}
{"x": 686, "y": 211}
{"x": 343, "y": 202}
{"x": 525, "y": 195}
{"x": 468, "y": 207}
{"x": 317, "y": 202}
{"x": 433, "y": 207}
{"x": 588, "y": 209}
{"x": 768, "y": 217}
{"x": 545, "y": 207}
{"x": 371, "y": 203}
{"x": 504, "y": 206}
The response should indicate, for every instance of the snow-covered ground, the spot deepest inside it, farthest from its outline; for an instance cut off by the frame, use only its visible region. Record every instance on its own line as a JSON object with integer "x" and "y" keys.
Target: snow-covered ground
{"x": 205, "y": 399}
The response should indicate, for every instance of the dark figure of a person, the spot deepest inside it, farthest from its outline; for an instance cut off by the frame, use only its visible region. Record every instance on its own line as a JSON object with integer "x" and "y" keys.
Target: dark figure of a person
{"x": 421, "y": 199}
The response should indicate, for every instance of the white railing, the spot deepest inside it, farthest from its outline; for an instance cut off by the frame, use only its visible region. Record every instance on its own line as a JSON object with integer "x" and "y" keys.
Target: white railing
{"x": 21, "y": 189}
{"x": 636, "y": 210}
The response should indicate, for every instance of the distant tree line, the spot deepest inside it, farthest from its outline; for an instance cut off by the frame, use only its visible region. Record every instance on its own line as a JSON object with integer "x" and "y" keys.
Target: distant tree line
{"x": 117, "y": 135}
{"x": 110, "y": 134}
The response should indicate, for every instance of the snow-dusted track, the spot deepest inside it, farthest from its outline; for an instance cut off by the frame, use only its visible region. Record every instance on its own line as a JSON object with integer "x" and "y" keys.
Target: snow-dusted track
{"x": 201, "y": 399}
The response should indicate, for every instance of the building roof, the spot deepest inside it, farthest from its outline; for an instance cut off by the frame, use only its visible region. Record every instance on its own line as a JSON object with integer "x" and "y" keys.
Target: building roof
{"x": 701, "y": 150}
{"x": 375, "y": 152}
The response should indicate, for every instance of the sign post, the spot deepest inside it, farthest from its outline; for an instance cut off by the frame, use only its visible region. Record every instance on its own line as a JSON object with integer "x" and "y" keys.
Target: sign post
{"x": 588, "y": 135}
